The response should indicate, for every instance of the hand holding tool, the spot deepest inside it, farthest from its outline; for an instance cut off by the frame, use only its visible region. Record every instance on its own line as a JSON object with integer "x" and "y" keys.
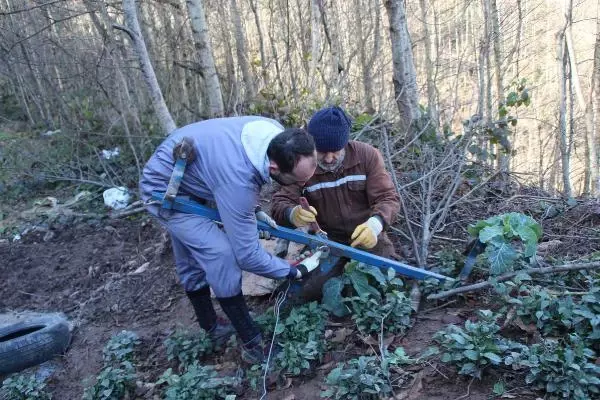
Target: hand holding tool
{"x": 313, "y": 226}
{"x": 303, "y": 216}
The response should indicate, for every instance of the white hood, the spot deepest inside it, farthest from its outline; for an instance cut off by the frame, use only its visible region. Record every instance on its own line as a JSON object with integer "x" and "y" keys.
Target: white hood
{"x": 256, "y": 136}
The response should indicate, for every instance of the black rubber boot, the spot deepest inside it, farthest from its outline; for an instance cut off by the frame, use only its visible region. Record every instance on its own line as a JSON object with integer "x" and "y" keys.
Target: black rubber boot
{"x": 219, "y": 332}
{"x": 236, "y": 309}
{"x": 203, "y": 307}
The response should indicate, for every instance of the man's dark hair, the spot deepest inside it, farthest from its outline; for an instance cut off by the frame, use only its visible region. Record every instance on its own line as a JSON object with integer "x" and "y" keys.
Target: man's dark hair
{"x": 287, "y": 148}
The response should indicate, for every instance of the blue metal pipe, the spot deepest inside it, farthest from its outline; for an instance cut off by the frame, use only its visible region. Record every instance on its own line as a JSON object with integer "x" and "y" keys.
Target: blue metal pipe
{"x": 336, "y": 249}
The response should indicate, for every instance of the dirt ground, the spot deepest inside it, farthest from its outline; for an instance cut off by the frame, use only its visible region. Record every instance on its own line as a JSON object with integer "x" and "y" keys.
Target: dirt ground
{"x": 87, "y": 271}
{"x": 109, "y": 275}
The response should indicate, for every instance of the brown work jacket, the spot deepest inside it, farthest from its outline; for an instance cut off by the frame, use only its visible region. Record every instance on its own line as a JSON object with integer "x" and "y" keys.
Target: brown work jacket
{"x": 346, "y": 198}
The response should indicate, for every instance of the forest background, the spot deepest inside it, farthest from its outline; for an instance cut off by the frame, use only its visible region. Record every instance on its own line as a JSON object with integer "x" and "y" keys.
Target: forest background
{"x": 95, "y": 75}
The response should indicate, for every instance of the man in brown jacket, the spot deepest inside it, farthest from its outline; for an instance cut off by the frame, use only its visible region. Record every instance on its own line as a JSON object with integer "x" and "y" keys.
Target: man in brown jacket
{"x": 352, "y": 196}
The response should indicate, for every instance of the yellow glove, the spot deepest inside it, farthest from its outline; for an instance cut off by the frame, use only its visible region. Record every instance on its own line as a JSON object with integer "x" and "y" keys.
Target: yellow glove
{"x": 365, "y": 235}
{"x": 301, "y": 217}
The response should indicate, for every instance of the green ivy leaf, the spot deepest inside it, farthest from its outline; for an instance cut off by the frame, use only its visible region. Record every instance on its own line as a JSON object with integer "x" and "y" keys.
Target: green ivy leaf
{"x": 469, "y": 369}
{"x": 458, "y": 338}
{"x": 501, "y": 257}
{"x": 332, "y": 297}
{"x": 494, "y": 358}
{"x": 499, "y": 388}
{"x": 490, "y": 232}
{"x": 529, "y": 237}
{"x": 361, "y": 284}
{"x": 374, "y": 272}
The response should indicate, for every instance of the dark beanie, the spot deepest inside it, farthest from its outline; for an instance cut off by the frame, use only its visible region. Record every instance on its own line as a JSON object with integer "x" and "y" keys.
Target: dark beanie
{"x": 330, "y": 127}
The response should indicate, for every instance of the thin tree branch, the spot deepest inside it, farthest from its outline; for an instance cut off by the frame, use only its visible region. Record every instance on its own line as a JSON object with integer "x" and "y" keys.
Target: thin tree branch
{"x": 507, "y": 276}
{"x": 27, "y": 9}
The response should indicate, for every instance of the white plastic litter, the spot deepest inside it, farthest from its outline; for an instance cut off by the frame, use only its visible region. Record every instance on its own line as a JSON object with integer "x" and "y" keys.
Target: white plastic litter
{"x": 50, "y": 133}
{"x": 108, "y": 154}
{"x": 116, "y": 198}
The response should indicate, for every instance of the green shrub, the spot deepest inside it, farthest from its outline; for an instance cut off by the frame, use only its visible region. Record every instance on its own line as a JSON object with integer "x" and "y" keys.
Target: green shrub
{"x": 375, "y": 297}
{"x": 360, "y": 378}
{"x": 508, "y": 238}
{"x": 371, "y": 315}
{"x": 120, "y": 347}
{"x": 300, "y": 337}
{"x": 24, "y": 387}
{"x": 567, "y": 370}
{"x": 475, "y": 346}
{"x": 187, "y": 347}
{"x": 113, "y": 382}
{"x": 198, "y": 383}
{"x": 117, "y": 378}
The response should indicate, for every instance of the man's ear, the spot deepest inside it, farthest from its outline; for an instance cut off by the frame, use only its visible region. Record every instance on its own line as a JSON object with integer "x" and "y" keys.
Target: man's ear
{"x": 273, "y": 167}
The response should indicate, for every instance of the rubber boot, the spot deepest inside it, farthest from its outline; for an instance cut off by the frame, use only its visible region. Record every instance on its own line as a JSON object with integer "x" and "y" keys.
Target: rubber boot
{"x": 218, "y": 331}
{"x": 236, "y": 309}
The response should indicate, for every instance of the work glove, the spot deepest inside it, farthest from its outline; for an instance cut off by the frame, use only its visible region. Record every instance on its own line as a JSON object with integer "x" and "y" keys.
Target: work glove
{"x": 264, "y": 217}
{"x": 365, "y": 235}
{"x": 306, "y": 266}
{"x": 300, "y": 217}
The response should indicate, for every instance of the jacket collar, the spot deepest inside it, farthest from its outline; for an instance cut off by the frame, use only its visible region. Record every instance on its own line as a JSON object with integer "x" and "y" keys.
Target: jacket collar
{"x": 350, "y": 159}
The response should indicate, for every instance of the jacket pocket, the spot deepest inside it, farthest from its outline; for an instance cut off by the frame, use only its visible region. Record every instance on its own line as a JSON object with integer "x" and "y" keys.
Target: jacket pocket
{"x": 356, "y": 186}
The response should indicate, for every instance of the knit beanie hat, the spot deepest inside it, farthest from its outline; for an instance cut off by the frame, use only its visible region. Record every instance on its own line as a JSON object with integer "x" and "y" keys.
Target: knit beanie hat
{"x": 330, "y": 128}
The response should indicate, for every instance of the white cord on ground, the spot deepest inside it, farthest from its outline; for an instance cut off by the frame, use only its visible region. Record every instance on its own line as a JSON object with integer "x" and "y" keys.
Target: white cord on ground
{"x": 279, "y": 300}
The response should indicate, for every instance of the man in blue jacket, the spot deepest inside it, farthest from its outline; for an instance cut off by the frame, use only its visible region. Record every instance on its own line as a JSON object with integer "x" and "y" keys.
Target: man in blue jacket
{"x": 234, "y": 158}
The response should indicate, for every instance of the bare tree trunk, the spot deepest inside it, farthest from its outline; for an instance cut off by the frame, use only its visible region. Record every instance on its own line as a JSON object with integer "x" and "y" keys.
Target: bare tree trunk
{"x": 231, "y": 87}
{"x": 242, "y": 55}
{"x": 481, "y": 99}
{"x": 213, "y": 97}
{"x": 593, "y": 108}
{"x": 429, "y": 70}
{"x": 497, "y": 46}
{"x": 304, "y": 33}
{"x": 288, "y": 51}
{"x": 261, "y": 43}
{"x": 517, "y": 44}
{"x": 583, "y": 105}
{"x": 160, "y": 107}
{"x": 404, "y": 75}
{"x": 376, "y": 43}
{"x": 367, "y": 79}
{"x": 561, "y": 55}
{"x": 364, "y": 47}
{"x": 274, "y": 53}
{"x": 502, "y": 157}
{"x": 489, "y": 114}
{"x": 332, "y": 35}
{"x": 315, "y": 45}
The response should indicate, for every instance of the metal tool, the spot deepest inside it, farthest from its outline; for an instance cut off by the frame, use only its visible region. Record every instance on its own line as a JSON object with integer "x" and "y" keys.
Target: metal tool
{"x": 335, "y": 250}
{"x": 476, "y": 249}
{"x": 313, "y": 226}
{"x": 183, "y": 153}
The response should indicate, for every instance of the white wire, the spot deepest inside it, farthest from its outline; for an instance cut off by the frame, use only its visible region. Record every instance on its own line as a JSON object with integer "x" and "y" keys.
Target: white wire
{"x": 279, "y": 300}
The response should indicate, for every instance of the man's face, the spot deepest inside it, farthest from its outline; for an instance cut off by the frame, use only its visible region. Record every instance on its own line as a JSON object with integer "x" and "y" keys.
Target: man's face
{"x": 303, "y": 171}
{"x": 332, "y": 160}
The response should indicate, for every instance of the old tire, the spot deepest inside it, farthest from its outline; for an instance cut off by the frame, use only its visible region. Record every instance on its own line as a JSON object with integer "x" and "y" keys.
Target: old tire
{"x": 31, "y": 342}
